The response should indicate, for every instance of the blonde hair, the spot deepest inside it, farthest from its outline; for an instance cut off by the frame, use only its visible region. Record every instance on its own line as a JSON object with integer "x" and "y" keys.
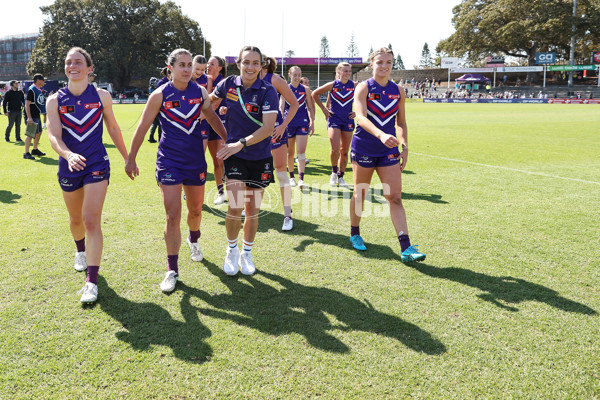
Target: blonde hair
{"x": 292, "y": 69}
{"x": 338, "y": 69}
{"x": 382, "y": 50}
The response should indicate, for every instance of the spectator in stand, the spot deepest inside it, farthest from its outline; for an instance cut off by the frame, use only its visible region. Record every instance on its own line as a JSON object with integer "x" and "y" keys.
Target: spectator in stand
{"x": 12, "y": 105}
{"x": 91, "y": 78}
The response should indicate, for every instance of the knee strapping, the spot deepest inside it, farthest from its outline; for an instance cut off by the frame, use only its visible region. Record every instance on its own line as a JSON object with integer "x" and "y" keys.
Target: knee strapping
{"x": 283, "y": 179}
{"x": 301, "y": 156}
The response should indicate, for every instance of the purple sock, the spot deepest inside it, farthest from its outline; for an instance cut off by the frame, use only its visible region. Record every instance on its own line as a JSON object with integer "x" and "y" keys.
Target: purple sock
{"x": 292, "y": 175}
{"x": 334, "y": 169}
{"x": 172, "y": 260}
{"x": 194, "y": 236}
{"x": 80, "y": 245}
{"x": 354, "y": 230}
{"x": 220, "y": 188}
{"x": 92, "y": 274}
{"x": 404, "y": 242}
{"x": 341, "y": 174}
{"x": 301, "y": 176}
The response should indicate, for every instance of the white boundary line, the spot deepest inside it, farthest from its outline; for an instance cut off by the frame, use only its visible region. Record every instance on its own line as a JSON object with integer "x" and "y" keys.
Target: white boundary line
{"x": 507, "y": 168}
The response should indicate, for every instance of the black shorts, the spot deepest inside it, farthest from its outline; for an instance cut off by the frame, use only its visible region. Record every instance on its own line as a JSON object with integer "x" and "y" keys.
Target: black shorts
{"x": 256, "y": 174}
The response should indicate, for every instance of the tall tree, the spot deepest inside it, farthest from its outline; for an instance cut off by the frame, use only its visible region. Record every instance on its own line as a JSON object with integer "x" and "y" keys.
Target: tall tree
{"x": 352, "y": 49}
{"x": 398, "y": 63}
{"x": 126, "y": 38}
{"x": 290, "y": 53}
{"x": 520, "y": 28}
{"x": 426, "y": 59}
{"x": 324, "y": 48}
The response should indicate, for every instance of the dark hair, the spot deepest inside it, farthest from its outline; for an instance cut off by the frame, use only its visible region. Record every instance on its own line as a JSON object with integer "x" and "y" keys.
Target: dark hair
{"x": 200, "y": 59}
{"x": 173, "y": 56}
{"x": 38, "y": 77}
{"x": 13, "y": 82}
{"x": 222, "y": 64}
{"x": 164, "y": 71}
{"x": 85, "y": 54}
{"x": 270, "y": 64}
{"x": 249, "y": 48}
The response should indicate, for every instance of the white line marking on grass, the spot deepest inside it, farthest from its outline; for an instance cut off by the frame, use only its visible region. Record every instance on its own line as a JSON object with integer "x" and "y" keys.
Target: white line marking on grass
{"x": 507, "y": 168}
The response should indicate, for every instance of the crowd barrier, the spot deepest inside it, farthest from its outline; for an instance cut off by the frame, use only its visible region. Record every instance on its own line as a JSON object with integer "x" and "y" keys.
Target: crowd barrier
{"x": 524, "y": 101}
{"x": 129, "y": 101}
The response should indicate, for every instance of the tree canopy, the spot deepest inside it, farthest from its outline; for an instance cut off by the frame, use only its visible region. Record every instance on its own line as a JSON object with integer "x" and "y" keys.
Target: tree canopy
{"x": 324, "y": 48}
{"x": 521, "y": 28}
{"x": 352, "y": 49}
{"x": 126, "y": 38}
{"x": 426, "y": 59}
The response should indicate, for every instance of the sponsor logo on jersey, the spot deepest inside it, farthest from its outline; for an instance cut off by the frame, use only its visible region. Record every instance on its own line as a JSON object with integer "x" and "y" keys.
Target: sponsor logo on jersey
{"x": 195, "y": 101}
{"x": 336, "y": 89}
{"x": 393, "y": 96}
{"x": 172, "y": 104}
{"x": 202, "y": 176}
{"x": 252, "y": 108}
{"x": 66, "y": 109}
{"x": 267, "y": 167}
{"x": 393, "y": 156}
{"x": 78, "y": 102}
{"x": 98, "y": 174}
{"x": 374, "y": 96}
{"x": 265, "y": 177}
{"x": 88, "y": 106}
{"x": 232, "y": 96}
{"x": 232, "y": 90}
{"x": 64, "y": 180}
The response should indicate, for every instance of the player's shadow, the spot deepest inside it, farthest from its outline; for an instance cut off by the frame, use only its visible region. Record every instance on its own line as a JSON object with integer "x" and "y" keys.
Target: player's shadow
{"x": 374, "y": 195}
{"x": 8, "y": 197}
{"x": 47, "y": 160}
{"x": 285, "y": 307}
{"x": 147, "y": 324}
{"x": 504, "y": 291}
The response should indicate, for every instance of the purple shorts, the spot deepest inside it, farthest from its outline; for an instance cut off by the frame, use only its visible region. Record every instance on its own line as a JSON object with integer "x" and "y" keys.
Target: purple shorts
{"x": 71, "y": 184}
{"x": 275, "y": 144}
{"x": 294, "y": 131}
{"x": 177, "y": 176}
{"x": 374, "y": 161}
{"x": 212, "y": 134}
{"x": 344, "y": 125}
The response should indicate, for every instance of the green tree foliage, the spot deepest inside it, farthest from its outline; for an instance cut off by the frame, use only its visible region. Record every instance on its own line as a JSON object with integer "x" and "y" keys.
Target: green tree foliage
{"x": 398, "y": 63}
{"x": 426, "y": 59}
{"x": 290, "y": 53}
{"x": 352, "y": 49}
{"x": 127, "y": 39}
{"x": 520, "y": 28}
{"x": 324, "y": 48}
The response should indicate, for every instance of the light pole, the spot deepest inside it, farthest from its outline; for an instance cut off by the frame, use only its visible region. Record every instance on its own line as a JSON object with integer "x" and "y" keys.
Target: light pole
{"x": 572, "y": 55}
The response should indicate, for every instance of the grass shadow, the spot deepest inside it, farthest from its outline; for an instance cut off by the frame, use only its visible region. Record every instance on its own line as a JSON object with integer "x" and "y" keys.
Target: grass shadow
{"x": 504, "y": 291}
{"x": 8, "y": 197}
{"x": 47, "y": 160}
{"x": 313, "y": 312}
{"x": 147, "y": 324}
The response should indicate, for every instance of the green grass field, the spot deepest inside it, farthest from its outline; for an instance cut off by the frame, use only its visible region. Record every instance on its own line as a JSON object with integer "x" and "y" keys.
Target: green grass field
{"x": 503, "y": 199}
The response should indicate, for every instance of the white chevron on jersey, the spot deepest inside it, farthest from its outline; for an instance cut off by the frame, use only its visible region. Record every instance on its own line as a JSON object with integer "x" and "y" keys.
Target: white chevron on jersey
{"x": 382, "y": 108}
{"x": 188, "y": 131}
{"x": 82, "y": 138}
{"x": 347, "y": 94}
{"x": 382, "y": 123}
{"x": 184, "y": 116}
{"x": 340, "y": 103}
{"x": 81, "y": 121}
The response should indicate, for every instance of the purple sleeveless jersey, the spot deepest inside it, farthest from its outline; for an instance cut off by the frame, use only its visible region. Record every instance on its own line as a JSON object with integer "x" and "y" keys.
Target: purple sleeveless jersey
{"x": 81, "y": 118}
{"x": 382, "y": 107}
{"x": 342, "y": 97}
{"x": 301, "y": 117}
{"x": 181, "y": 141}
